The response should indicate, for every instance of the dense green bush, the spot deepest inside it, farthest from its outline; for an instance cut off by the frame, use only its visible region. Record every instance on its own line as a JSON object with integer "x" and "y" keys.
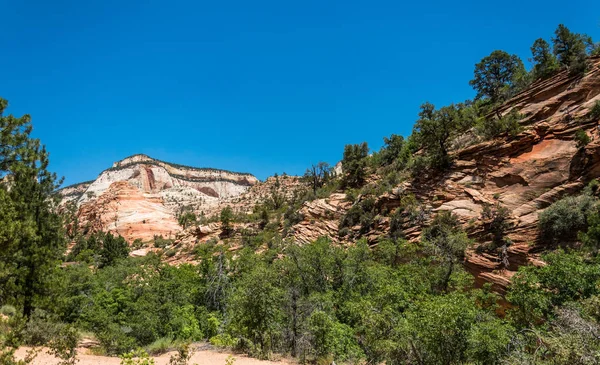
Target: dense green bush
{"x": 361, "y": 213}
{"x": 581, "y": 138}
{"x": 508, "y": 124}
{"x": 537, "y": 291}
{"x": 561, "y": 221}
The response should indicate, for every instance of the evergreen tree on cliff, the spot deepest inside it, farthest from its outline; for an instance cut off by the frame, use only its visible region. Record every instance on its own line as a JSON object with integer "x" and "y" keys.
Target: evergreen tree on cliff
{"x": 496, "y": 74}
{"x": 31, "y": 233}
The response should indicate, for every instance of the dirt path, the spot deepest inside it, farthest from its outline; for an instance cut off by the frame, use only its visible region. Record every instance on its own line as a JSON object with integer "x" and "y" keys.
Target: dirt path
{"x": 202, "y": 356}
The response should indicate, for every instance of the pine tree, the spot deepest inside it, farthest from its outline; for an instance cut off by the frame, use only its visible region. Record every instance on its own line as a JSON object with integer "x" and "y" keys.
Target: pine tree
{"x": 496, "y": 74}
{"x": 32, "y": 240}
{"x": 354, "y": 164}
{"x": 545, "y": 63}
{"x": 571, "y": 48}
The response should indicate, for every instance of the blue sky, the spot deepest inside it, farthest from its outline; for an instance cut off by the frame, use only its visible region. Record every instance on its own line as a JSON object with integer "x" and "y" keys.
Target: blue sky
{"x": 253, "y": 86}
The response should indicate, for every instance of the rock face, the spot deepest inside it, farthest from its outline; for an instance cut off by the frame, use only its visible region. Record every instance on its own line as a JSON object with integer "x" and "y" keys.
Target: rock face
{"x": 525, "y": 174}
{"x": 140, "y": 197}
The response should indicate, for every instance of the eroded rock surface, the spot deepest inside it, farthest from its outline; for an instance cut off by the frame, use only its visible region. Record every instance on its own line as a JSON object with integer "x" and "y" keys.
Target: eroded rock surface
{"x": 140, "y": 197}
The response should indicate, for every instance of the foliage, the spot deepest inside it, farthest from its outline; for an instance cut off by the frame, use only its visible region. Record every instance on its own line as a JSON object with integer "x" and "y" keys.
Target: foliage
{"x": 507, "y": 124}
{"x": 545, "y": 63}
{"x": 447, "y": 242}
{"x": 449, "y": 329}
{"x": 581, "y": 138}
{"x": 32, "y": 239}
{"x": 63, "y": 346}
{"x": 113, "y": 249}
{"x": 332, "y": 338}
{"x": 571, "y": 49}
{"x": 362, "y": 213}
{"x": 536, "y": 291}
{"x": 159, "y": 346}
{"x": 183, "y": 355}
{"x": 138, "y": 357}
{"x": 230, "y": 360}
{"x": 434, "y": 129}
{"x": 354, "y": 164}
{"x": 562, "y": 220}
{"x": 226, "y": 220}
{"x": 495, "y": 221}
{"x": 393, "y": 149}
{"x": 187, "y": 219}
{"x": 594, "y": 112}
{"x": 318, "y": 175}
{"x": 255, "y": 311}
{"x": 496, "y": 74}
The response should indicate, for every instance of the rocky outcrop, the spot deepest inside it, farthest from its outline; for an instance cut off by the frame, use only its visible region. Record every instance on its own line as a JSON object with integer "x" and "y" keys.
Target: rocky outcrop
{"x": 140, "y": 197}
{"x": 525, "y": 174}
{"x": 321, "y": 217}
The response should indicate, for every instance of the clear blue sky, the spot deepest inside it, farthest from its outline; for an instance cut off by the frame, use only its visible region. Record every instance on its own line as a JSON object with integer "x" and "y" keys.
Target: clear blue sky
{"x": 255, "y": 86}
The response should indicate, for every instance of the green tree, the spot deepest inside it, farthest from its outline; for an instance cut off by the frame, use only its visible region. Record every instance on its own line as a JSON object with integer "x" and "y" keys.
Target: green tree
{"x": 566, "y": 277}
{"x": 496, "y": 74}
{"x": 255, "y": 310}
{"x": 226, "y": 220}
{"x": 113, "y": 249}
{"x": 392, "y": 149}
{"x": 318, "y": 175}
{"x": 448, "y": 242}
{"x": 33, "y": 241}
{"x": 332, "y": 338}
{"x": 187, "y": 218}
{"x": 354, "y": 164}
{"x": 571, "y": 49}
{"x": 434, "y": 130}
{"x": 450, "y": 329}
{"x": 545, "y": 63}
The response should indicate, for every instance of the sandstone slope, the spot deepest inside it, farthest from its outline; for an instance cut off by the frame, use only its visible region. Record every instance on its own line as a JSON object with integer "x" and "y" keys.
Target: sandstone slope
{"x": 525, "y": 173}
{"x": 140, "y": 197}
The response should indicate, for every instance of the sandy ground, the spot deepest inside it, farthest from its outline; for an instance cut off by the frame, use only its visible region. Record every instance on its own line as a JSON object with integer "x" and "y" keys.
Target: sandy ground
{"x": 202, "y": 356}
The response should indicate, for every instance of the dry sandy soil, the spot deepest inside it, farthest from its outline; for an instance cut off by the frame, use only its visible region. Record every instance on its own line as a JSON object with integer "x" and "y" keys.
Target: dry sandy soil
{"x": 202, "y": 356}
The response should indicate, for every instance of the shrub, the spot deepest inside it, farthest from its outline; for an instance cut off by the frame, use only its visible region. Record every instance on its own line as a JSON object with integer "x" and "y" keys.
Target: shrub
{"x": 161, "y": 242}
{"x": 223, "y": 340}
{"x": 362, "y": 213}
{"x": 508, "y": 124}
{"x": 226, "y": 218}
{"x": 113, "y": 248}
{"x": 160, "y": 346}
{"x": 183, "y": 355}
{"x": 333, "y": 339}
{"x": 582, "y": 138}
{"x": 8, "y": 310}
{"x": 139, "y": 357}
{"x": 185, "y": 325}
{"x": 562, "y": 220}
{"x": 64, "y": 344}
{"x": 114, "y": 339}
{"x": 594, "y": 112}
{"x": 41, "y": 328}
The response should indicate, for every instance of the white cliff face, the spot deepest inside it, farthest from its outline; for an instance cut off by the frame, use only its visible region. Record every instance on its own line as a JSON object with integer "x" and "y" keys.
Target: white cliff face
{"x": 140, "y": 196}
{"x": 178, "y": 182}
